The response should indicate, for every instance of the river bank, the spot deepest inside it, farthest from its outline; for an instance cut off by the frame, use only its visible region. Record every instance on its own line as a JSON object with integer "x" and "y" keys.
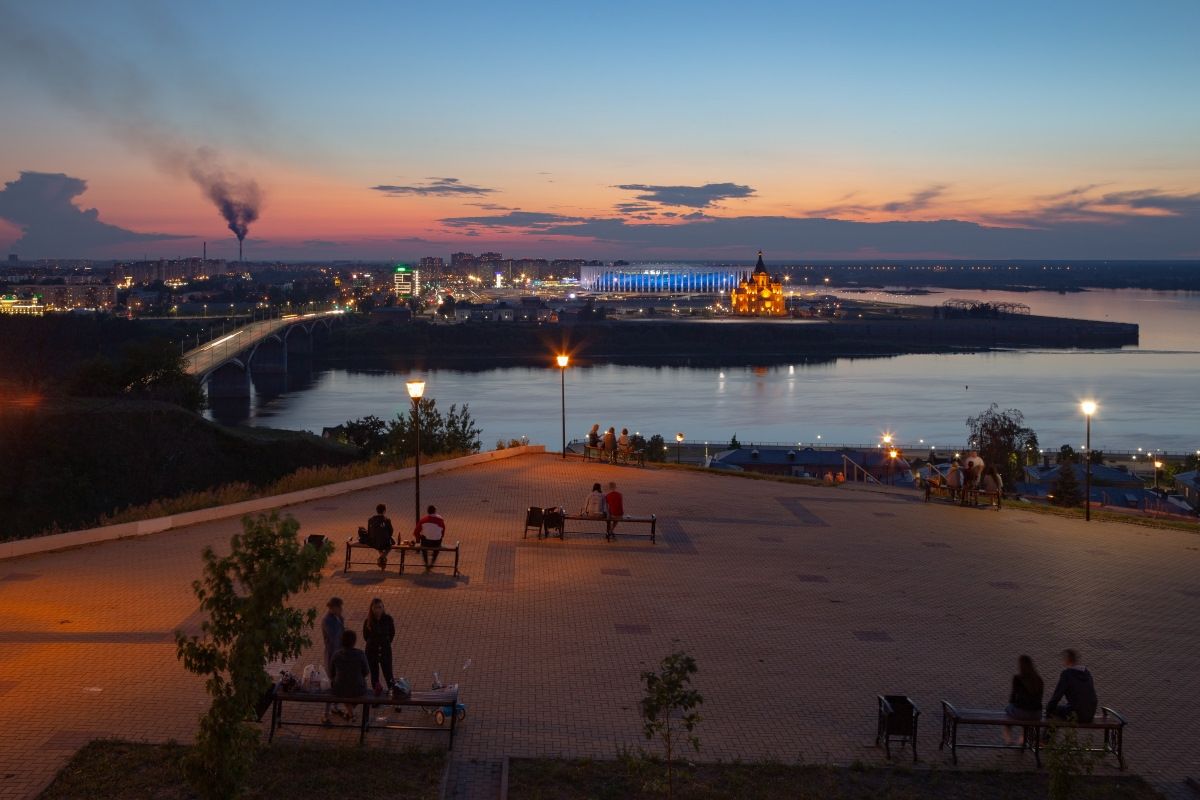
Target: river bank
{"x": 709, "y": 343}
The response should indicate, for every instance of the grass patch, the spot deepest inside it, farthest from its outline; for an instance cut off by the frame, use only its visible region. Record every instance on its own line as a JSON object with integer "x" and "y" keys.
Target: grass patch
{"x": 112, "y": 769}
{"x": 1110, "y": 516}
{"x": 625, "y": 779}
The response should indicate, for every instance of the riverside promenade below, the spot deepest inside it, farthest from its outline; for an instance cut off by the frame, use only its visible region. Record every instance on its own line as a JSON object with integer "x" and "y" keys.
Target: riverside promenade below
{"x": 820, "y": 597}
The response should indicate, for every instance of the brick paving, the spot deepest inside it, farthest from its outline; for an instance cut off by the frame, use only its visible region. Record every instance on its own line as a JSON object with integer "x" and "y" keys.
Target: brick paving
{"x": 816, "y": 598}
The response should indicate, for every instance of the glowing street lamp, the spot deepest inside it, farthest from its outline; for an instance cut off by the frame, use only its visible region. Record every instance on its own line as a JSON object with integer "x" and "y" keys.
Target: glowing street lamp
{"x": 1089, "y": 408}
{"x": 415, "y": 390}
{"x": 892, "y": 464}
{"x": 562, "y": 368}
{"x": 678, "y": 447}
{"x": 1157, "y": 467}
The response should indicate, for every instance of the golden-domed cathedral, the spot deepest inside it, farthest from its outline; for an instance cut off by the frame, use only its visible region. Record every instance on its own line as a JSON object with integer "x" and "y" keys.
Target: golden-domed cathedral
{"x": 760, "y": 296}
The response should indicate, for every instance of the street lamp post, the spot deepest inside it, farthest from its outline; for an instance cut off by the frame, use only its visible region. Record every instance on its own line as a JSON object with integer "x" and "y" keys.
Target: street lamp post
{"x": 562, "y": 368}
{"x": 891, "y": 465}
{"x": 415, "y": 390}
{"x": 1089, "y": 408}
{"x": 678, "y": 447}
{"x": 1157, "y": 467}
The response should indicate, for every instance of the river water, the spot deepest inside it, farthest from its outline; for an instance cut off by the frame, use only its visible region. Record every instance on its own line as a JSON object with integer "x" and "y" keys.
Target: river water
{"x": 1147, "y": 396}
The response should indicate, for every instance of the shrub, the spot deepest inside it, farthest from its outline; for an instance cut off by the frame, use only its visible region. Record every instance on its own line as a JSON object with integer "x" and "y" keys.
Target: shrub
{"x": 245, "y": 595}
{"x": 668, "y": 695}
{"x": 656, "y": 449}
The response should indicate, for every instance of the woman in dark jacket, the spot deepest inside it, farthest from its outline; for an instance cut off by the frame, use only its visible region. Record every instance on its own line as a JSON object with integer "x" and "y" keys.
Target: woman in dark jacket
{"x": 348, "y": 672}
{"x": 1025, "y": 699}
{"x": 378, "y": 633}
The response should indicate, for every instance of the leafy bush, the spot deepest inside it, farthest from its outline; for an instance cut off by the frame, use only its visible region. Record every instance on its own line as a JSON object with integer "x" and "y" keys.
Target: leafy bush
{"x": 1065, "y": 490}
{"x": 668, "y": 695}
{"x": 656, "y": 449}
{"x": 245, "y": 595}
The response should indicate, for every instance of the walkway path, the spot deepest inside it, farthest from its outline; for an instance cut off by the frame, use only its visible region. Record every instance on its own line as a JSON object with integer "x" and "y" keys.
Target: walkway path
{"x": 823, "y": 596}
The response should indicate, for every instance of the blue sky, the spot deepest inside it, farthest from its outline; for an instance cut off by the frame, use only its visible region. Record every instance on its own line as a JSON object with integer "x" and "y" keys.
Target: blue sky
{"x": 1076, "y": 120}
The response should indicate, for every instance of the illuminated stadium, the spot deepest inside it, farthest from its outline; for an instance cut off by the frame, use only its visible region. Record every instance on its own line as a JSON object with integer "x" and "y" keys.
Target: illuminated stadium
{"x": 662, "y": 278}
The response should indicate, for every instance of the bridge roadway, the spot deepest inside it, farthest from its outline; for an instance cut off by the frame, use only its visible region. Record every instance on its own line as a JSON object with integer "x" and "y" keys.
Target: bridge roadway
{"x": 207, "y": 357}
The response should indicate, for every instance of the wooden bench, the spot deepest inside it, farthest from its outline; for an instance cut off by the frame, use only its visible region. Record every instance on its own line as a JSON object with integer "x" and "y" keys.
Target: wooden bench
{"x": 439, "y": 699}
{"x": 1109, "y": 721}
{"x": 600, "y": 454}
{"x": 353, "y": 544}
{"x": 609, "y": 533}
{"x": 964, "y": 496}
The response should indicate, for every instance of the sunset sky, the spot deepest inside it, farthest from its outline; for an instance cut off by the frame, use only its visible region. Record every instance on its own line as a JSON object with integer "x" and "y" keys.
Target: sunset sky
{"x": 613, "y": 130}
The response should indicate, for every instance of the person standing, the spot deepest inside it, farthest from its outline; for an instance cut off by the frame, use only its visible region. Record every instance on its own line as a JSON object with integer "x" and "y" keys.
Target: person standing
{"x": 974, "y": 466}
{"x": 616, "y": 506}
{"x": 430, "y": 530}
{"x": 993, "y": 484}
{"x": 332, "y": 626}
{"x": 378, "y": 632}
{"x": 954, "y": 480}
{"x": 1025, "y": 699}
{"x": 1076, "y": 687}
{"x": 348, "y": 672}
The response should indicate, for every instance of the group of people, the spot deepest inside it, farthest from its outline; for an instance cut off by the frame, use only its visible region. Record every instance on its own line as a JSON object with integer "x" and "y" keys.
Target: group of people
{"x": 609, "y": 443}
{"x": 1075, "y": 690}
{"x": 610, "y": 506}
{"x": 346, "y": 665}
{"x": 427, "y": 535}
{"x": 973, "y": 475}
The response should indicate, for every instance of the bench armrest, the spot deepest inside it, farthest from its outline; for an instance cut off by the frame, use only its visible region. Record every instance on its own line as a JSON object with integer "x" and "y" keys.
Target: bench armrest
{"x": 950, "y": 710}
{"x": 1106, "y": 711}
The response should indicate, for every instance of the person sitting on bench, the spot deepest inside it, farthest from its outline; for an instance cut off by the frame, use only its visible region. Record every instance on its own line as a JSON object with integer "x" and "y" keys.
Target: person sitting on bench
{"x": 378, "y": 534}
{"x": 1076, "y": 687}
{"x": 625, "y": 444}
{"x": 594, "y": 505}
{"x": 954, "y": 480}
{"x": 348, "y": 672}
{"x": 616, "y": 505}
{"x": 429, "y": 532}
{"x": 1025, "y": 699}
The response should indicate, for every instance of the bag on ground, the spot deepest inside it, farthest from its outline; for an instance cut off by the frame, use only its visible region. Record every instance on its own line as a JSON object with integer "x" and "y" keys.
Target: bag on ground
{"x": 401, "y": 689}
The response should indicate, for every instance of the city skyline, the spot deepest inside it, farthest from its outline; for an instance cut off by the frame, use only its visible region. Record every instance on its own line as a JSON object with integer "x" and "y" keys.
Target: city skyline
{"x": 1055, "y": 131}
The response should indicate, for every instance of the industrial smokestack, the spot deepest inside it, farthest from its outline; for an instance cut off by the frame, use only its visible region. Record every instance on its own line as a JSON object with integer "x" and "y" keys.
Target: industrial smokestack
{"x": 239, "y": 250}
{"x": 205, "y": 251}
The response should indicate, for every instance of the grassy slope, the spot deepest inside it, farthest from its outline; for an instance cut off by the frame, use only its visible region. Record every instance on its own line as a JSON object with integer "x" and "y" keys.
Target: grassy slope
{"x": 66, "y": 462}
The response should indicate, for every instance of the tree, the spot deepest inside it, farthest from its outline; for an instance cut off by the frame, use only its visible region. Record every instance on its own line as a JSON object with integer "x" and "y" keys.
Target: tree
{"x": 1067, "y": 455}
{"x": 152, "y": 370}
{"x": 1096, "y": 457}
{"x": 1065, "y": 490}
{"x": 734, "y": 444}
{"x": 656, "y": 449}
{"x": 454, "y": 433}
{"x": 1003, "y": 440}
{"x": 250, "y": 623}
{"x": 668, "y": 695}
{"x": 368, "y": 434}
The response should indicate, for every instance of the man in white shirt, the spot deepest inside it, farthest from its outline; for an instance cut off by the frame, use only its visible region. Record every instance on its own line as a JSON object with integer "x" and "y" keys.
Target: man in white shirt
{"x": 430, "y": 530}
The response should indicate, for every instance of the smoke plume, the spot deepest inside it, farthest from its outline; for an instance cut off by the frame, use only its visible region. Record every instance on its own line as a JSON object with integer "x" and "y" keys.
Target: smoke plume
{"x": 128, "y": 101}
{"x": 236, "y": 199}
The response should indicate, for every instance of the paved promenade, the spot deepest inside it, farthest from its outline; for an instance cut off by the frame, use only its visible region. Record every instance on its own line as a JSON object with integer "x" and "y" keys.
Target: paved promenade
{"x": 799, "y": 603}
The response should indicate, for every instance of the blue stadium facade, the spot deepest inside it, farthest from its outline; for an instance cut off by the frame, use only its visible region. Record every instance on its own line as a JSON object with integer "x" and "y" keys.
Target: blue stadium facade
{"x": 663, "y": 278}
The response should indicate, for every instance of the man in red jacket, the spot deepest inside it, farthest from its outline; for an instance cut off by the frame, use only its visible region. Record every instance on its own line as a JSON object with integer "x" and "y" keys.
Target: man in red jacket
{"x": 429, "y": 532}
{"x": 616, "y": 507}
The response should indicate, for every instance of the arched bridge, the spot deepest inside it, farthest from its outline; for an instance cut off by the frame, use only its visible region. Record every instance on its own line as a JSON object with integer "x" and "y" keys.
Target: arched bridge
{"x": 225, "y": 363}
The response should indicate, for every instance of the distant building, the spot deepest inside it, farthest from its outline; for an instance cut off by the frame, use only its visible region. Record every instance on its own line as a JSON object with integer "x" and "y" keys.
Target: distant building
{"x": 13, "y": 260}
{"x": 85, "y": 296}
{"x": 431, "y": 267}
{"x": 808, "y": 462}
{"x": 406, "y": 281}
{"x": 1101, "y": 475}
{"x": 659, "y": 278}
{"x": 759, "y": 296}
{"x": 10, "y": 304}
{"x": 1188, "y": 485}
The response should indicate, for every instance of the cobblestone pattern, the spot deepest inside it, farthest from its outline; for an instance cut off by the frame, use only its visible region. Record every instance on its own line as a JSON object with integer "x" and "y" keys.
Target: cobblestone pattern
{"x": 802, "y": 594}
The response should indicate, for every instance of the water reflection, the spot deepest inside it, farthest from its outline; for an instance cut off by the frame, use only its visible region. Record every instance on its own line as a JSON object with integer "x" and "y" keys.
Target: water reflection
{"x": 1146, "y": 395}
